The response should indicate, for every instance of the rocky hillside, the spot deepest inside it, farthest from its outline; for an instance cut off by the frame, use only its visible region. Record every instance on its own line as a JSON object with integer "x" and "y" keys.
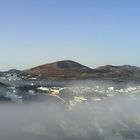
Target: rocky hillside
{"x": 60, "y": 70}
{"x": 72, "y": 70}
{"x": 115, "y": 72}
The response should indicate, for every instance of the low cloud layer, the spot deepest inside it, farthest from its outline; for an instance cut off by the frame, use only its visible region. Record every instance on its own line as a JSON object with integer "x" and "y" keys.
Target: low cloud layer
{"x": 96, "y": 120}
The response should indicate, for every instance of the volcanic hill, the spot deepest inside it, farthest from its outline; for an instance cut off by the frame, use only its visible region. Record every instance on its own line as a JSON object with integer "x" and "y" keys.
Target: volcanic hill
{"x": 68, "y": 69}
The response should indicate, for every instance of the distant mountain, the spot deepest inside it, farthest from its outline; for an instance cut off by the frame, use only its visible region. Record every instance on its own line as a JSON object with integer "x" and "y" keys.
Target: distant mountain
{"x": 68, "y": 69}
{"x": 12, "y": 71}
{"x": 131, "y": 68}
{"x": 61, "y": 70}
{"x": 115, "y": 72}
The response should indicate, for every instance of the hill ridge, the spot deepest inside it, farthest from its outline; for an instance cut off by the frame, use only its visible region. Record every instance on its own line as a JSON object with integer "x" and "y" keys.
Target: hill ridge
{"x": 68, "y": 69}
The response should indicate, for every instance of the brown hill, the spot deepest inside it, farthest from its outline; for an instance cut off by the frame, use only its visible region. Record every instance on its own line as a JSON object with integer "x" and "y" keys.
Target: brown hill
{"x": 72, "y": 70}
{"x": 113, "y": 72}
{"x": 62, "y": 69}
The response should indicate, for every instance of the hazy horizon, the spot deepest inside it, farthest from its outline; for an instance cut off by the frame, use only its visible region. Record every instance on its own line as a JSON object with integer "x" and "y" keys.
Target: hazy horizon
{"x": 65, "y": 60}
{"x": 93, "y": 33}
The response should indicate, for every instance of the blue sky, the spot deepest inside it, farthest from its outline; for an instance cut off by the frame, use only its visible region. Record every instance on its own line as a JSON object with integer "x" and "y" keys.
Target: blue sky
{"x": 92, "y": 32}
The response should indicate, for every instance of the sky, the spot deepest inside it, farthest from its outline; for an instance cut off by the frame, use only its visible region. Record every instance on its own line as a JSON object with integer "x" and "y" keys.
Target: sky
{"x": 91, "y": 32}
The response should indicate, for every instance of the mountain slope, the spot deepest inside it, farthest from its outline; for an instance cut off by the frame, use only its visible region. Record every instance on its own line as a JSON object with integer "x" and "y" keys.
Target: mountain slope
{"x": 110, "y": 71}
{"x": 72, "y": 70}
{"x": 62, "y": 69}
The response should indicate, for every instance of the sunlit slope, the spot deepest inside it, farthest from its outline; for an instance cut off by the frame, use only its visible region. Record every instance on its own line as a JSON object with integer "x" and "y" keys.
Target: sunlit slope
{"x": 61, "y": 70}
{"x": 68, "y": 69}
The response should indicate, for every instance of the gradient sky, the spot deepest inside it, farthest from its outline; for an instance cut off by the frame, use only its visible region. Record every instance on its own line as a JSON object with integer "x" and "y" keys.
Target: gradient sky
{"x": 92, "y": 32}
